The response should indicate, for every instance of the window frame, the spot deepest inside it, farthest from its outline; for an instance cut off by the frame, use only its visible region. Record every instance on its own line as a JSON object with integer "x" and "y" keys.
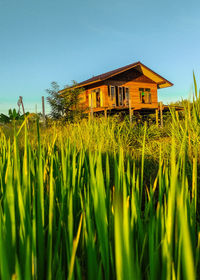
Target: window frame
{"x": 112, "y": 94}
{"x": 120, "y": 97}
{"x": 94, "y": 98}
{"x": 122, "y": 93}
{"x": 147, "y": 95}
{"x": 126, "y": 97}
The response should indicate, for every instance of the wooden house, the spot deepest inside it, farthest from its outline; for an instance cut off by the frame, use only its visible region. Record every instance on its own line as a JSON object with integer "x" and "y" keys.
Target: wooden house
{"x": 132, "y": 87}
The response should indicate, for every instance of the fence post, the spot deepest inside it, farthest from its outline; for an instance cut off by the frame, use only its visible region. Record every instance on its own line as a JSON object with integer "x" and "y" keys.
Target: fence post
{"x": 161, "y": 114}
{"x": 157, "y": 117}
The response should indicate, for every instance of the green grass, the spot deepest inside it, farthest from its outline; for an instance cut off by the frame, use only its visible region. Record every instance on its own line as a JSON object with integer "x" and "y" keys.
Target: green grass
{"x": 101, "y": 200}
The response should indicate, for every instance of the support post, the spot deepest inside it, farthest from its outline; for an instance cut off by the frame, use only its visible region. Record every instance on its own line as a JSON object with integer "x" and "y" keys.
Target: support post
{"x": 157, "y": 117}
{"x": 130, "y": 111}
{"x": 91, "y": 109}
{"x": 177, "y": 116}
{"x": 105, "y": 113}
{"x": 161, "y": 114}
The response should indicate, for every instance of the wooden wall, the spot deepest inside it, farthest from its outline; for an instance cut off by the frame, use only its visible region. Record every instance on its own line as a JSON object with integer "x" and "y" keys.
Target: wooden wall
{"x": 134, "y": 83}
{"x": 86, "y": 95}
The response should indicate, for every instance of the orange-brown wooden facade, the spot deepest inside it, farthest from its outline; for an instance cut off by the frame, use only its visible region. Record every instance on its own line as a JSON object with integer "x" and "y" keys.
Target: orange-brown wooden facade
{"x": 132, "y": 87}
{"x": 89, "y": 95}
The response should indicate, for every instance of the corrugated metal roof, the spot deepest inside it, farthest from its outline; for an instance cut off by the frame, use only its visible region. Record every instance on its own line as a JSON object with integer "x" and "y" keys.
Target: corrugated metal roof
{"x": 106, "y": 75}
{"x": 109, "y": 74}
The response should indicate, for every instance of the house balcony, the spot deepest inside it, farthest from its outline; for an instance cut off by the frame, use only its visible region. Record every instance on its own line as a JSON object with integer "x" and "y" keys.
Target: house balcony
{"x": 138, "y": 106}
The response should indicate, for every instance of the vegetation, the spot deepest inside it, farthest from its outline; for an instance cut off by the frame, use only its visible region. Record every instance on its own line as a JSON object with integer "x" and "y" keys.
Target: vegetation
{"x": 121, "y": 202}
{"x": 12, "y": 115}
{"x": 64, "y": 106}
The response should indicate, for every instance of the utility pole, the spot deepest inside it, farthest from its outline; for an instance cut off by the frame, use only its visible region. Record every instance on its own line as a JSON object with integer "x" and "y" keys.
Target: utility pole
{"x": 43, "y": 110}
{"x": 20, "y": 103}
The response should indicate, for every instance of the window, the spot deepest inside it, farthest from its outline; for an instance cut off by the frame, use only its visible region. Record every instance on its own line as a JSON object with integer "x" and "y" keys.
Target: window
{"x": 119, "y": 95}
{"x": 95, "y": 98}
{"x": 98, "y": 98}
{"x": 126, "y": 97}
{"x": 112, "y": 93}
{"x": 145, "y": 95}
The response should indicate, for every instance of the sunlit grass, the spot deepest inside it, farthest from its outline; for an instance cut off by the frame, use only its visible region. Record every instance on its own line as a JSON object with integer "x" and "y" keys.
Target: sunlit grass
{"x": 87, "y": 201}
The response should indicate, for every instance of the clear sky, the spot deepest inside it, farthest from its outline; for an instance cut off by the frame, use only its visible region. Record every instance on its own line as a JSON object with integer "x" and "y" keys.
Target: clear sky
{"x": 63, "y": 40}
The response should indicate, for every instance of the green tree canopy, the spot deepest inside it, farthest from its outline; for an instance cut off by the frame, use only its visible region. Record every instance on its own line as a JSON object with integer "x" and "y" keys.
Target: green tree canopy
{"x": 64, "y": 106}
{"x": 12, "y": 115}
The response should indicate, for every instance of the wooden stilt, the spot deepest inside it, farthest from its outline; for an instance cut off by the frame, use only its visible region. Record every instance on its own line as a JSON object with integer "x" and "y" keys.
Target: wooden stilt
{"x": 91, "y": 110}
{"x": 157, "y": 117}
{"x": 177, "y": 115}
{"x": 130, "y": 111}
{"x": 161, "y": 114}
{"x": 105, "y": 113}
{"x": 131, "y": 115}
{"x": 91, "y": 115}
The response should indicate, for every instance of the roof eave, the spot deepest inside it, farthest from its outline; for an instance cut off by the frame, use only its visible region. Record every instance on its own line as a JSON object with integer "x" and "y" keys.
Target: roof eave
{"x": 165, "y": 82}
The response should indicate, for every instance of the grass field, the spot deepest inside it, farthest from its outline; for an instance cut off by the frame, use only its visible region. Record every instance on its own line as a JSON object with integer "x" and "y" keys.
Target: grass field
{"x": 101, "y": 200}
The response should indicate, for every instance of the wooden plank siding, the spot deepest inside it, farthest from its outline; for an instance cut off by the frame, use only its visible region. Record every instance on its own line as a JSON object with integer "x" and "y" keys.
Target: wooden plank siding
{"x": 139, "y": 82}
{"x": 134, "y": 76}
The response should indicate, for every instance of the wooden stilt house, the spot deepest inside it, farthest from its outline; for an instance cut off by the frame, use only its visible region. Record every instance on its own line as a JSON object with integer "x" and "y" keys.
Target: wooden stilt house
{"x": 132, "y": 87}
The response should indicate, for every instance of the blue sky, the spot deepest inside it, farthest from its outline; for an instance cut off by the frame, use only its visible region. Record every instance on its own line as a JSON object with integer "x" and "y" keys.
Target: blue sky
{"x": 44, "y": 40}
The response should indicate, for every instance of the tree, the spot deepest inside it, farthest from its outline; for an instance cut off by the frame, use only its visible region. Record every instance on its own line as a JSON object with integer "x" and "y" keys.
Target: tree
{"x": 65, "y": 106}
{"x": 56, "y": 103}
{"x": 12, "y": 115}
